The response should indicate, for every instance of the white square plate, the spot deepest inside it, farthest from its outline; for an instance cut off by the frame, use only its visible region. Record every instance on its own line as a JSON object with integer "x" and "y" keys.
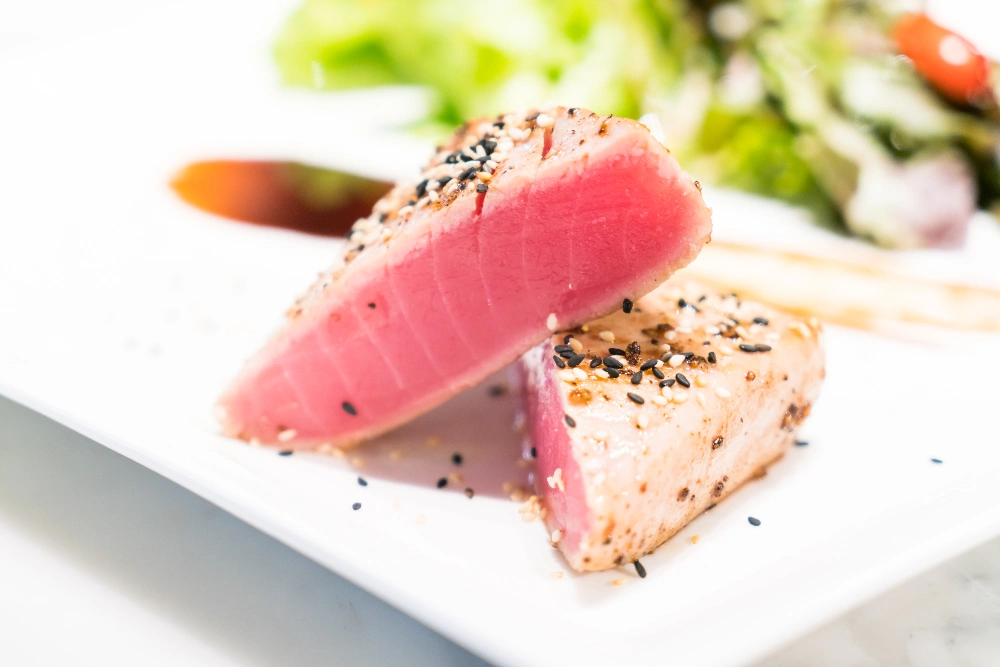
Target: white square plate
{"x": 124, "y": 313}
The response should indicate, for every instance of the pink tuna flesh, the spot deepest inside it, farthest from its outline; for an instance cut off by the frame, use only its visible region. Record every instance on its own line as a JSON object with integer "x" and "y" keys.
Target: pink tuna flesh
{"x": 623, "y": 466}
{"x": 453, "y": 277}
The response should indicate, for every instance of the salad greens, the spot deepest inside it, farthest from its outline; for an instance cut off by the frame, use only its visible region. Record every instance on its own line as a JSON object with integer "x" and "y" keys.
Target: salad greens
{"x": 809, "y": 101}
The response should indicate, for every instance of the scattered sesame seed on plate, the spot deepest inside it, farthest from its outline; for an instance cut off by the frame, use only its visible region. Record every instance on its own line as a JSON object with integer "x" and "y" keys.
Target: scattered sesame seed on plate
{"x": 285, "y": 452}
{"x": 356, "y": 506}
{"x": 754, "y": 521}
{"x": 443, "y": 482}
{"x": 362, "y": 481}
{"x": 639, "y": 569}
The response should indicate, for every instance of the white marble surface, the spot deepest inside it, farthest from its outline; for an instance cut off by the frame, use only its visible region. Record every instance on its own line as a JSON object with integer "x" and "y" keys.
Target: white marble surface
{"x": 103, "y": 562}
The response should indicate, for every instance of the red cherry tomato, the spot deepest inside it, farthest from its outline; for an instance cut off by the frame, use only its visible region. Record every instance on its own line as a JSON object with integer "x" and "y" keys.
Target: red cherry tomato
{"x": 947, "y": 61}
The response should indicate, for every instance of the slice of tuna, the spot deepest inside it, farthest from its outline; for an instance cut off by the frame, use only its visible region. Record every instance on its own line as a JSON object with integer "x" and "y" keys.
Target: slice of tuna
{"x": 652, "y": 426}
{"x": 517, "y": 227}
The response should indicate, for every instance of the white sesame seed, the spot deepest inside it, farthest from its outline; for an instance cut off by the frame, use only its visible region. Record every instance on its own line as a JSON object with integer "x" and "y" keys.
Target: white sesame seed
{"x": 676, "y": 360}
{"x": 556, "y": 536}
{"x": 754, "y": 329}
{"x": 700, "y": 381}
{"x": 601, "y": 373}
{"x": 725, "y": 349}
{"x": 667, "y": 392}
{"x": 620, "y": 582}
{"x": 480, "y": 151}
{"x": 406, "y": 210}
{"x": 701, "y": 399}
{"x": 580, "y": 373}
{"x": 712, "y": 330}
{"x": 556, "y": 480}
{"x": 659, "y": 400}
{"x": 642, "y": 420}
{"x": 585, "y": 328}
{"x": 286, "y": 435}
{"x": 741, "y": 332}
{"x": 433, "y": 196}
{"x": 683, "y": 330}
{"x": 607, "y": 336}
{"x": 663, "y": 349}
{"x": 671, "y": 335}
{"x": 551, "y": 322}
{"x": 491, "y": 165}
{"x": 659, "y": 363}
{"x": 576, "y": 345}
{"x": 484, "y": 177}
{"x": 544, "y": 120}
{"x": 601, "y": 436}
{"x": 679, "y": 397}
{"x": 566, "y": 375}
{"x": 722, "y": 392}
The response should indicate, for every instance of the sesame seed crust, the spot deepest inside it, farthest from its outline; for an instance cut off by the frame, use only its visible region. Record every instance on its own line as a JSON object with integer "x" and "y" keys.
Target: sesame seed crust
{"x": 703, "y": 427}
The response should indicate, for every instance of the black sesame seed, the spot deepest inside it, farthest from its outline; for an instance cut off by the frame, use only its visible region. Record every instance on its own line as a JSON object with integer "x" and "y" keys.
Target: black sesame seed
{"x": 498, "y": 390}
{"x": 567, "y": 338}
{"x": 681, "y": 303}
{"x": 636, "y": 398}
{"x": 763, "y": 348}
{"x": 639, "y": 569}
{"x": 570, "y": 421}
{"x": 667, "y": 383}
{"x": 616, "y": 350}
{"x": 444, "y": 181}
{"x": 481, "y": 188}
{"x": 571, "y": 111}
{"x": 762, "y": 321}
{"x": 658, "y": 373}
{"x": 754, "y": 521}
{"x": 594, "y": 363}
{"x": 422, "y": 188}
{"x": 646, "y": 365}
{"x": 489, "y": 146}
{"x": 499, "y": 124}
{"x": 702, "y": 298}
{"x": 532, "y": 116}
{"x": 612, "y": 372}
{"x": 443, "y": 482}
{"x": 575, "y": 360}
{"x": 627, "y": 306}
{"x": 683, "y": 381}
{"x": 936, "y": 461}
{"x": 636, "y": 377}
{"x": 711, "y": 357}
{"x": 611, "y": 362}
{"x": 689, "y": 355}
{"x": 566, "y": 354}
{"x": 285, "y": 452}
{"x": 362, "y": 481}
{"x": 469, "y": 493}
{"x": 468, "y": 173}
{"x": 466, "y": 158}
{"x": 534, "y": 452}
{"x": 456, "y": 458}
{"x": 563, "y": 348}
{"x": 801, "y": 443}
{"x": 711, "y": 506}
{"x": 451, "y": 159}
{"x": 356, "y": 506}
{"x": 748, "y": 348}
{"x": 349, "y": 409}
{"x": 559, "y": 362}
